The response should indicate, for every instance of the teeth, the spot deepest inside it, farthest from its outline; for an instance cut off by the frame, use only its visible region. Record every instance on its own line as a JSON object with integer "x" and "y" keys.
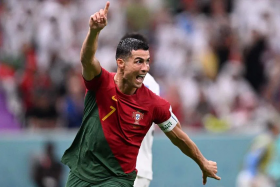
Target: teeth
{"x": 140, "y": 77}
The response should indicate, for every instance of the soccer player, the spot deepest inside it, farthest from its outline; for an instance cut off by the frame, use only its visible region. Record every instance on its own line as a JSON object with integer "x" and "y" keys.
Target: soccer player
{"x": 119, "y": 111}
{"x": 258, "y": 159}
{"x": 144, "y": 158}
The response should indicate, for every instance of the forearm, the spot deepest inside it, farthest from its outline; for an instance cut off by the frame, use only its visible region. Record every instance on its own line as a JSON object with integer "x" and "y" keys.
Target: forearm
{"x": 186, "y": 145}
{"x": 90, "y": 65}
{"x": 89, "y": 47}
{"x": 189, "y": 148}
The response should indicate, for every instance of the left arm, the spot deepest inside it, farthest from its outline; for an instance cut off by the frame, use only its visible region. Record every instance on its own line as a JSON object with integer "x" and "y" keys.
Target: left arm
{"x": 188, "y": 147}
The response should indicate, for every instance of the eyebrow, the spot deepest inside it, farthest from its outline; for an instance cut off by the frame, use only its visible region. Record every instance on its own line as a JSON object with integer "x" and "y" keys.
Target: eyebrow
{"x": 141, "y": 58}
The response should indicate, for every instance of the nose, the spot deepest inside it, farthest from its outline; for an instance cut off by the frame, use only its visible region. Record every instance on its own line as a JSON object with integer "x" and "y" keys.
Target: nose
{"x": 146, "y": 67}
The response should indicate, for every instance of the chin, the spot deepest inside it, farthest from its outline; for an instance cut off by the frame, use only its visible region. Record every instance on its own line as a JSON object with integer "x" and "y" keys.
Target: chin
{"x": 138, "y": 85}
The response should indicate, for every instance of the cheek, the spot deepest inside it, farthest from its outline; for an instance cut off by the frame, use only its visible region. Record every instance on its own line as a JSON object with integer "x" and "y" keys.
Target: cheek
{"x": 128, "y": 74}
{"x": 131, "y": 70}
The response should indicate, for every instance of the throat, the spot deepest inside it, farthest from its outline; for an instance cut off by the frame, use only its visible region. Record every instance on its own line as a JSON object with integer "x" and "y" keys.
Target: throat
{"x": 127, "y": 90}
{"x": 124, "y": 87}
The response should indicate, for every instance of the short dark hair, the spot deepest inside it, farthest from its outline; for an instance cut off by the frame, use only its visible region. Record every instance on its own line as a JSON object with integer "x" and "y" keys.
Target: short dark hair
{"x": 135, "y": 35}
{"x": 127, "y": 45}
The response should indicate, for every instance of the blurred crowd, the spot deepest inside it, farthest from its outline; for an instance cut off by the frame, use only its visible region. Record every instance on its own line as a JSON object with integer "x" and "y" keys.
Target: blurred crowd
{"x": 217, "y": 61}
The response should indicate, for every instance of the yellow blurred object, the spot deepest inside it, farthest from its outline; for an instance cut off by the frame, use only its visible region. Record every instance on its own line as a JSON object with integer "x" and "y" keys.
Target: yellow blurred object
{"x": 215, "y": 124}
{"x": 209, "y": 63}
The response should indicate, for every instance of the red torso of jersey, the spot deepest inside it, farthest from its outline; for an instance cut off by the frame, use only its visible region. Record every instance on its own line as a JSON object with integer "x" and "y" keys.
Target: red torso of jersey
{"x": 125, "y": 118}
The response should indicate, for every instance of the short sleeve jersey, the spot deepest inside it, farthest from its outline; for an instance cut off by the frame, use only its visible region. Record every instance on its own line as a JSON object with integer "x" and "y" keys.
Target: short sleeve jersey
{"x": 113, "y": 127}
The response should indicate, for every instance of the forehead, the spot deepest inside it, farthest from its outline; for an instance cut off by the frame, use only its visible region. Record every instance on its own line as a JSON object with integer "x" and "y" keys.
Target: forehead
{"x": 145, "y": 54}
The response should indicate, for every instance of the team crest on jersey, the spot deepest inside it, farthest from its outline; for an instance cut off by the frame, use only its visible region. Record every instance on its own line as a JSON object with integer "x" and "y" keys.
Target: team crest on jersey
{"x": 137, "y": 116}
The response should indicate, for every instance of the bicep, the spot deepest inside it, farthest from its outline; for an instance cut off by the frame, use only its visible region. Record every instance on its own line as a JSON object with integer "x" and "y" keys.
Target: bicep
{"x": 91, "y": 69}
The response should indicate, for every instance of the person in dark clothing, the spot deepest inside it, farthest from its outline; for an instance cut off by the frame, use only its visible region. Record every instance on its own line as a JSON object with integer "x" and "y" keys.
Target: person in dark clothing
{"x": 253, "y": 61}
{"x": 47, "y": 172}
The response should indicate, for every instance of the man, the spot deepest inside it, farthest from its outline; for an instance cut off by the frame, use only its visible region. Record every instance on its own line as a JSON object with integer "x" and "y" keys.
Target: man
{"x": 256, "y": 169}
{"x": 119, "y": 111}
{"x": 144, "y": 158}
{"x": 47, "y": 170}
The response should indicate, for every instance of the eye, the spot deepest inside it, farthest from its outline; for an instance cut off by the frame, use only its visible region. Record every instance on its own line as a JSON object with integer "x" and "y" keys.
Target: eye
{"x": 139, "y": 61}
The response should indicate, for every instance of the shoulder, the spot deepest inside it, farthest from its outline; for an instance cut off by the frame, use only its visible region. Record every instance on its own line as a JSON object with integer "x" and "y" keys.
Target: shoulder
{"x": 158, "y": 106}
{"x": 105, "y": 74}
{"x": 152, "y": 97}
{"x": 102, "y": 80}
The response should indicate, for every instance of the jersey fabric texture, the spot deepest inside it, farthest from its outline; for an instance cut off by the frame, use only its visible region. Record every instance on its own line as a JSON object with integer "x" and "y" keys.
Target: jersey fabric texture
{"x": 114, "y": 124}
{"x": 74, "y": 181}
{"x": 144, "y": 159}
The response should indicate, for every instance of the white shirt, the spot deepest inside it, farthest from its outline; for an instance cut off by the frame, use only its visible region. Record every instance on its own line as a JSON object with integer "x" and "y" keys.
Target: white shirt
{"x": 144, "y": 159}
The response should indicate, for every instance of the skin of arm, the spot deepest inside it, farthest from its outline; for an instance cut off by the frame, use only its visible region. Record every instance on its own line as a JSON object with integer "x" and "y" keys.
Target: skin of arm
{"x": 185, "y": 144}
{"x": 189, "y": 148}
{"x": 90, "y": 65}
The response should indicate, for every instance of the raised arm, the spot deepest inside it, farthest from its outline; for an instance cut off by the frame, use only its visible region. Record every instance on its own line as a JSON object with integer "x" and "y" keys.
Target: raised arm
{"x": 188, "y": 147}
{"x": 90, "y": 65}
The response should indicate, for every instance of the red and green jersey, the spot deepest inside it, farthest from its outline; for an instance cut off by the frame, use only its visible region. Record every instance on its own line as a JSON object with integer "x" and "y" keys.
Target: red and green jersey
{"x": 113, "y": 127}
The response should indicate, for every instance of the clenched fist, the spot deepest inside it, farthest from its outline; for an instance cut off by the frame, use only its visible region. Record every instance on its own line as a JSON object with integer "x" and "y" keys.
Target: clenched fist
{"x": 99, "y": 20}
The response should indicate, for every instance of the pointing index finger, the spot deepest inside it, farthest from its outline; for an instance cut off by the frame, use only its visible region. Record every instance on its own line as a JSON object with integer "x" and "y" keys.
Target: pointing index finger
{"x": 106, "y": 7}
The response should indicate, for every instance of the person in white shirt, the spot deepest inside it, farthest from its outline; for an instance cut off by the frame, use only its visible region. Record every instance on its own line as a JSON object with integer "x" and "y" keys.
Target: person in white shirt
{"x": 144, "y": 159}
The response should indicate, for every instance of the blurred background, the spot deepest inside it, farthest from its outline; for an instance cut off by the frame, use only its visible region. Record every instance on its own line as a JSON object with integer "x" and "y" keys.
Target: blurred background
{"x": 217, "y": 62}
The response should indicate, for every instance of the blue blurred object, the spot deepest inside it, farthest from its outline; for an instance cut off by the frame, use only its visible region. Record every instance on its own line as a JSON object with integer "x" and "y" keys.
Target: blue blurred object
{"x": 74, "y": 113}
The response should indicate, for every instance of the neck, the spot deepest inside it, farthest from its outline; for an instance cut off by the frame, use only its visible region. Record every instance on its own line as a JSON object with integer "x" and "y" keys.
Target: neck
{"x": 123, "y": 85}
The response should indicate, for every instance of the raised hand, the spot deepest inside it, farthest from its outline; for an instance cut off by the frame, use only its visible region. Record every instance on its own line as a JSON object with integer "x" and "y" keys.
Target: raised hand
{"x": 209, "y": 170}
{"x": 99, "y": 20}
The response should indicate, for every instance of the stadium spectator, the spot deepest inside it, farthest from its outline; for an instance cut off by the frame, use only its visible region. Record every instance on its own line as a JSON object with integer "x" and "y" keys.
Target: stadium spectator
{"x": 43, "y": 114}
{"x": 47, "y": 170}
{"x": 72, "y": 103}
{"x": 206, "y": 36}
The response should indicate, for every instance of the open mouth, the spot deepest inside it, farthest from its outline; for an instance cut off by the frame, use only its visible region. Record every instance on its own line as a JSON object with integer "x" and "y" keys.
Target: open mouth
{"x": 140, "y": 78}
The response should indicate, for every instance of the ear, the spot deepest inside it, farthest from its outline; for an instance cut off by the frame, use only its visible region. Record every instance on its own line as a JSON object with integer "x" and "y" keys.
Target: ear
{"x": 120, "y": 63}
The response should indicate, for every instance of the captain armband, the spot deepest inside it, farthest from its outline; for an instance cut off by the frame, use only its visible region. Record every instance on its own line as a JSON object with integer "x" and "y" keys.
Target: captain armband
{"x": 169, "y": 124}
